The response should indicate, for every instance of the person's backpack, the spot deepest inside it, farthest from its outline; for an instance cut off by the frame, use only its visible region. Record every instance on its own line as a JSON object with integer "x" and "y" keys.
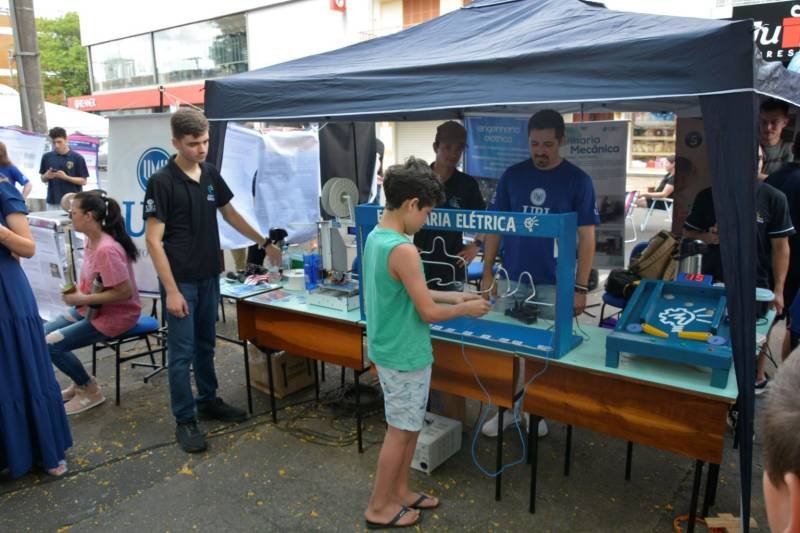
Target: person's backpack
{"x": 621, "y": 283}
{"x": 659, "y": 259}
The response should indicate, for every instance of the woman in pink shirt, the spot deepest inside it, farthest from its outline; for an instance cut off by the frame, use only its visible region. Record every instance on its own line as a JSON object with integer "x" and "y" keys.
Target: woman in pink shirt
{"x": 112, "y": 305}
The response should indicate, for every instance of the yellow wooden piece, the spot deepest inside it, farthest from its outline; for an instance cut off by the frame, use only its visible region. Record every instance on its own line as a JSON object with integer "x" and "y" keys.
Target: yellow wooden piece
{"x": 728, "y": 522}
{"x": 654, "y": 331}
{"x": 694, "y": 335}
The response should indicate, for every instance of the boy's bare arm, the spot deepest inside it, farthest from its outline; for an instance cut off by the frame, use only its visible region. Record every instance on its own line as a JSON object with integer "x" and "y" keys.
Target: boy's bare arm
{"x": 404, "y": 265}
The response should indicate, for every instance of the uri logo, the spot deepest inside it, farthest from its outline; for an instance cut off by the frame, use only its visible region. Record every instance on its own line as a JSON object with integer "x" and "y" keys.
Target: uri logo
{"x": 149, "y": 162}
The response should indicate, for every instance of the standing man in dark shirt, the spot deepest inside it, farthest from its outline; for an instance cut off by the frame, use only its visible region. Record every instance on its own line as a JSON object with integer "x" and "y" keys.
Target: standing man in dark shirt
{"x": 787, "y": 180}
{"x": 180, "y": 208}
{"x": 63, "y": 170}
{"x": 461, "y": 192}
{"x": 773, "y": 229}
{"x": 773, "y": 117}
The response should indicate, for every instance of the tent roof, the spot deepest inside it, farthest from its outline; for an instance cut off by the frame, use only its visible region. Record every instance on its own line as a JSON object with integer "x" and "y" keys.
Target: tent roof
{"x": 70, "y": 119}
{"x": 492, "y": 55}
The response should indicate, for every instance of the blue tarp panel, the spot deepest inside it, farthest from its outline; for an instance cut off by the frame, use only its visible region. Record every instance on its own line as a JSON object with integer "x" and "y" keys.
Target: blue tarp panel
{"x": 491, "y": 55}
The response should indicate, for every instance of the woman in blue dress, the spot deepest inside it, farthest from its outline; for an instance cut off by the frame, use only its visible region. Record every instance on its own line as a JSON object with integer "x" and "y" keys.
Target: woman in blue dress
{"x": 33, "y": 424}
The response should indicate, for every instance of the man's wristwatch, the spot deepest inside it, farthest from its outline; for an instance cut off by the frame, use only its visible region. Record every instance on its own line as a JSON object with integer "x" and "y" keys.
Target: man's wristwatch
{"x": 581, "y": 289}
{"x": 478, "y": 243}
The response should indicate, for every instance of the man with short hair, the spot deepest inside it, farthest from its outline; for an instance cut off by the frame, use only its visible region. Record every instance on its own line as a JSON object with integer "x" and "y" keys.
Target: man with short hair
{"x": 773, "y": 118}
{"x": 63, "y": 170}
{"x": 773, "y": 229}
{"x": 545, "y": 183}
{"x": 787, "y": 180}
{"x": 462, "y": 191}
{"x": 180, "y": 210}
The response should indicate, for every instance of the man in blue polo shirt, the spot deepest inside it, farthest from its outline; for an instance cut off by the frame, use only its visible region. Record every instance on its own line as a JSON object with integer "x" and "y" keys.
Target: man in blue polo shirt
{"x": 62, "y": 169}
{"x": 544, "y": 184}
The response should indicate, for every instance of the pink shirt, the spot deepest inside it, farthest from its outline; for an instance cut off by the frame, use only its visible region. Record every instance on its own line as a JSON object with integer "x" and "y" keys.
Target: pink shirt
{"x": 110, "y": 261}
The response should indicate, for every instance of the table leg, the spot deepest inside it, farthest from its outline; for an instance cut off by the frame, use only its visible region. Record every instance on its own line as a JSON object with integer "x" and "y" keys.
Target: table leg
{"x": 698, "y": 473}
{"x": 533, "y": 457}
{"x": 316, "y": 379}
{"x": 323, "y": 370}
{"x": 711, "y": 488}
{"x": 271, "y": 387}
{"x": 568, "y": 451}
{"x": 356, "y": 375}
{"x": 247, "y": 377}
{"x": 628, "y": 461}
{"x": 498, "y": 480}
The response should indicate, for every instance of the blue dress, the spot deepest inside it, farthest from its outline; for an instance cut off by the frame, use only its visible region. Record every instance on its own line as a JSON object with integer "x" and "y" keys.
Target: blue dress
{"x": 33, "y": 424}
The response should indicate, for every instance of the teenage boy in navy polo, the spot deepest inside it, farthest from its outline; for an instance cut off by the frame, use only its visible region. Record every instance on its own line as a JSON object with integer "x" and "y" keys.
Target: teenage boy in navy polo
{"x": 180, "y": 208}
{"x": 544, "y": 184}
{"x": 62, "y": 169}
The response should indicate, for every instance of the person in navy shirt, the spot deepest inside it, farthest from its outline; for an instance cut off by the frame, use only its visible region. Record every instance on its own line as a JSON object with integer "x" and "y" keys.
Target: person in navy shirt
{"x": 544, "y": 184}
{"x": 63, "y": 170}
{"x": 12, "y": 173}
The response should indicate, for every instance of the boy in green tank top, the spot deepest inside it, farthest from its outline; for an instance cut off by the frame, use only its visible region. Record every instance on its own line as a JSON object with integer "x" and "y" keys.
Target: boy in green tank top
{"x": 399, "y": 306}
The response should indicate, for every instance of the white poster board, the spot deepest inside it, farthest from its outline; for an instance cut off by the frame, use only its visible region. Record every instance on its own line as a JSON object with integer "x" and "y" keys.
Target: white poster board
{"x": 601, "y": 150}
{"x": 240, "y": 158}
{"x": 288, "y": 183}
{"x": 138, "y": 145}
{"x": 25, "y": 150}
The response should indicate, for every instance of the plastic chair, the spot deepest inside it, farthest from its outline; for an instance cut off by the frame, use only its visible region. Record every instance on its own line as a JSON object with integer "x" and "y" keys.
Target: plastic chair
{"x": 146, "y": 326}
{"x": 617, "y": 301}
{"x": 666, "y": 202}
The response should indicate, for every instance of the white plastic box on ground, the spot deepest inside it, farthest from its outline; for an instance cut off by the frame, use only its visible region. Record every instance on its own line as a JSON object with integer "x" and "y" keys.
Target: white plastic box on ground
{"x": 439, "y": 440}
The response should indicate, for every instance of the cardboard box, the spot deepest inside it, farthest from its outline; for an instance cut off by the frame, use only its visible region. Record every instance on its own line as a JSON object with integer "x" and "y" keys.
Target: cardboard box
{"x": 290, "y": 373}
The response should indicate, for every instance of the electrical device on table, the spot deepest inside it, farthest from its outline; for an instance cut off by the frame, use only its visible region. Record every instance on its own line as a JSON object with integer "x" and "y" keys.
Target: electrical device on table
{"x": 684, "y": 321}
{"x": 336, "y": 291}
{"x": 523, "y": 338}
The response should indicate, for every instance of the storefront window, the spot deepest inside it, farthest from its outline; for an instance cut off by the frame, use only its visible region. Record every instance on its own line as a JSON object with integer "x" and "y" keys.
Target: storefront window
{"x": 123, "y": 63}
{"x": 202, "y": 50}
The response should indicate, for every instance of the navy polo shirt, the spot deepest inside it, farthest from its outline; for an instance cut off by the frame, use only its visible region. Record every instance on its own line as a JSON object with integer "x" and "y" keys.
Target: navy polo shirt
{"x": 523, "y": 188}
{"x": 73, "y": 165}
{"x": 188, "y": 209}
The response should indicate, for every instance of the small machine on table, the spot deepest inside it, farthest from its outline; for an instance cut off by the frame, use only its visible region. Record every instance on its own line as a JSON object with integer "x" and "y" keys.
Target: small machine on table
{"x": 683, "y": 321}
{"x": 336, "y": 291}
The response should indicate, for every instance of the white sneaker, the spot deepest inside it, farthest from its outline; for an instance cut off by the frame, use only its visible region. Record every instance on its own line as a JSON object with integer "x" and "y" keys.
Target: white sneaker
{"x": 490, "y": 427}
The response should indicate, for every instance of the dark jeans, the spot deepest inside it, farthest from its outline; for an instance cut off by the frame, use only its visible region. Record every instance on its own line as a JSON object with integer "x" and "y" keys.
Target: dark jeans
{"x": 65, "y": 334}
{"x": 190, "y": 342}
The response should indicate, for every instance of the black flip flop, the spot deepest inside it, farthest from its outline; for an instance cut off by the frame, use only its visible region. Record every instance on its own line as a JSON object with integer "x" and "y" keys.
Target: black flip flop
{"x": 422, "y": 498}
{"x": 392, "y": 524}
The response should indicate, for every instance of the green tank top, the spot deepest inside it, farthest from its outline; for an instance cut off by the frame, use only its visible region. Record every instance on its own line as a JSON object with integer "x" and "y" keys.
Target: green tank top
{"x": 396, "y": 335}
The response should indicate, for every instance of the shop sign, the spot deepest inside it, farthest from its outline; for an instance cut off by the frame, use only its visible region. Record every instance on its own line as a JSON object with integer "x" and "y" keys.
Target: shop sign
{"x": 777, "y": 28}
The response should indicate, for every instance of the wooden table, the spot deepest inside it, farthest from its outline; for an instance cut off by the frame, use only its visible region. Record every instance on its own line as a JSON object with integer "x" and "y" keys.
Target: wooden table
{"x": 665, "y": 405}
{"x": 661, "y": 404}
{"x": 319, "y": 333}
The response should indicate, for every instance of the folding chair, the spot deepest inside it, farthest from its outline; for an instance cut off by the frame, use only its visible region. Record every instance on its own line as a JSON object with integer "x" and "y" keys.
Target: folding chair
{"x": 666, "y": 202}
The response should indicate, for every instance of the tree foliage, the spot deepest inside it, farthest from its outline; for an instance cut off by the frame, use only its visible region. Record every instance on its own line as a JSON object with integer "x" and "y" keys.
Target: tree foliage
{"x": 64, "y": 63}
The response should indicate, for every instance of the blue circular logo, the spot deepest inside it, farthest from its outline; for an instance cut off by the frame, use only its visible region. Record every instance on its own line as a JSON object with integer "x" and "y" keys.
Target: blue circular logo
{"x": 149, "y": 162}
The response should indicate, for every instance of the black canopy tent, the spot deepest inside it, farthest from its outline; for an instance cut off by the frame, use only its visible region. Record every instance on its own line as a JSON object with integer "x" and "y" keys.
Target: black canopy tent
{"x": 570, "y": 55}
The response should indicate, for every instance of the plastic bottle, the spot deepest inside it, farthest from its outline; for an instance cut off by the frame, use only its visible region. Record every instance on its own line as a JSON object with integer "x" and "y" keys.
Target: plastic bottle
{"x": 309, "y": 268}
{"x": 286, "y": 259}
{"x": 97, "y": 286}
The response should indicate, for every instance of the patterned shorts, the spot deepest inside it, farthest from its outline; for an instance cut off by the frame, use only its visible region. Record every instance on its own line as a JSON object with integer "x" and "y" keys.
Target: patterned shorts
{"x": 405, "y": 396}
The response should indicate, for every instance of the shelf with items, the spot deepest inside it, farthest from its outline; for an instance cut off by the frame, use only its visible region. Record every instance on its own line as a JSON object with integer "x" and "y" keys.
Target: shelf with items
{"x": 652, "y": 141}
